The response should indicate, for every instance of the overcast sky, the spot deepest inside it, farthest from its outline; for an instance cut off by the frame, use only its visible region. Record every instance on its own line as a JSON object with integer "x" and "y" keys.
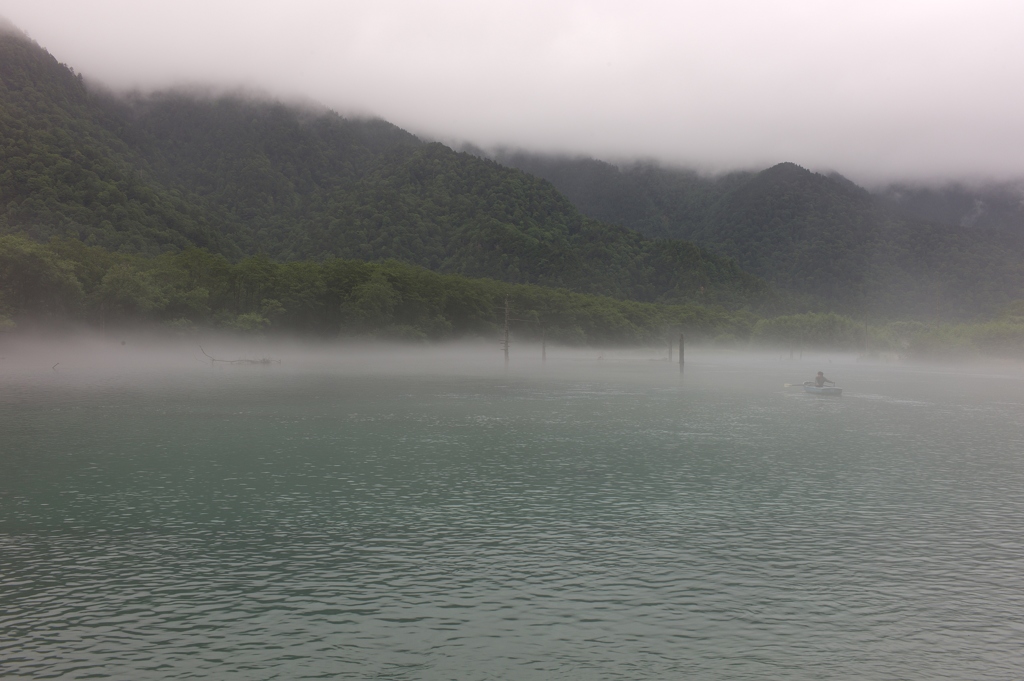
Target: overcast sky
{"x": 876, "y": 89}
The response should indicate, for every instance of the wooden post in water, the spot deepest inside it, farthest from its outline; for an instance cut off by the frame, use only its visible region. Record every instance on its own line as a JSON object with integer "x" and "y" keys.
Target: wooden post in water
{"x": 670, "y": 348}
{"x": 504, "y": 343}
{"x": 681, "y": 349}
{"x": 543, "y": 345}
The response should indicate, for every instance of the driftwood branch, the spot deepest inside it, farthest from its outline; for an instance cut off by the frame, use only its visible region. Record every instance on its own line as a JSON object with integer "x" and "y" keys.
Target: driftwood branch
{"x": 263, "y": 360}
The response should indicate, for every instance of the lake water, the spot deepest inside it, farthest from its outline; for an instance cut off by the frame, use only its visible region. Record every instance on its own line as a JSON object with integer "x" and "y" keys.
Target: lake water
{"x": 428, "y": 516}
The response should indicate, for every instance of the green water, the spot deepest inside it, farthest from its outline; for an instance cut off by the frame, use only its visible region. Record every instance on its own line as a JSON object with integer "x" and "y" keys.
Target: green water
{"x": 590, "y": 519}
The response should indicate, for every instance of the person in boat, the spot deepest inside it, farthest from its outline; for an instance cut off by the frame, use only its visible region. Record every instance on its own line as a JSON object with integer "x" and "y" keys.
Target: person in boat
{"x": 820, "y": 380}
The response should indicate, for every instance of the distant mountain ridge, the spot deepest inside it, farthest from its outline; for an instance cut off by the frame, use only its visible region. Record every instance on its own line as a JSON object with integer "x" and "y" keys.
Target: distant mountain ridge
{"x": 899, "y": 251}
{"x": 987, "y": 206}
{"x": 240, "y": 177}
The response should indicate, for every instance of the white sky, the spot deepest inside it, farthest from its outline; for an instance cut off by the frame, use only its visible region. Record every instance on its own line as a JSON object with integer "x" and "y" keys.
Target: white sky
{"x": 876, "y": 89}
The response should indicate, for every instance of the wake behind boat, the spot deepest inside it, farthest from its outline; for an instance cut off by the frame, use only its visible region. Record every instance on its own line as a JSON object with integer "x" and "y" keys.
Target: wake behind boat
{"x": 832, "y": 390}
{"x": 819, "y": 386}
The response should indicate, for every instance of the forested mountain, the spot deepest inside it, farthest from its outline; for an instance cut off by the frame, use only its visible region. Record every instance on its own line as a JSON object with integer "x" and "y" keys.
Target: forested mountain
{"x": 64, "y": 283}
{"x": 644, "y": 197}
{"x": 901, "y": 251}
{"x": 993, "y": 206}
{"x": 64, "y": 170}
{"x": 240, "y": 176}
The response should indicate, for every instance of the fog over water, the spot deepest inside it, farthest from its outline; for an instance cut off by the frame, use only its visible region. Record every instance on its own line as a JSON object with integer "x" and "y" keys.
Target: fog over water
{"x": 419, "y": 512}
{"x": 877, "y": 90}
{"x": 198, "y": 505}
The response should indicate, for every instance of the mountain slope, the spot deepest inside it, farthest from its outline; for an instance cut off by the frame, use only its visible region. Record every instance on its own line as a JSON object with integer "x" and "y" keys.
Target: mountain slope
{"x": 243, "y": 176}
{"x": 63, "y": 171}
{"x": 644, "y": 197}
{"x": 988, "y": 206}
{"x": 820, "y": 236}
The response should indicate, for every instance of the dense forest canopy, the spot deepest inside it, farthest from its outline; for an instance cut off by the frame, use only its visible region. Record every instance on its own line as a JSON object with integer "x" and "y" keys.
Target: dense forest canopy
{"x": 902, "y": 251}
{"x": 68, "y": 282}
{"x": 65, "y": 283}
{"x": 239, "y": 177}
{"x": 225, "y": 212}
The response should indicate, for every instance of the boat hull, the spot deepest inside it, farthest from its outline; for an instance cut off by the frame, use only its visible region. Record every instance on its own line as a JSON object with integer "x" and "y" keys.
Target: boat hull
{"x": 831, "y": 391}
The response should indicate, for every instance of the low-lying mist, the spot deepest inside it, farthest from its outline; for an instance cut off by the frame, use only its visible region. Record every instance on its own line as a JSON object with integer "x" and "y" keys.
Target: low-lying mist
{"x": 85, "y": 357}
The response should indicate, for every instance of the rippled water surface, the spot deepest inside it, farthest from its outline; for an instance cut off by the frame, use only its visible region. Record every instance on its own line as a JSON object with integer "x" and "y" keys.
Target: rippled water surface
{"x": 592, "y": 520}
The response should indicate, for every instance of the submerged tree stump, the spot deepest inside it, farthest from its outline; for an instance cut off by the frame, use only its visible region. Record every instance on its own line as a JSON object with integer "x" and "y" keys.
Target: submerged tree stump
{"x": 262, "y": 360}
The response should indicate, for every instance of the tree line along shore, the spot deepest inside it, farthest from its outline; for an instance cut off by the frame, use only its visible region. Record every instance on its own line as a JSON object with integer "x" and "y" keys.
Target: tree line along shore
{"x": 66, "y": 282}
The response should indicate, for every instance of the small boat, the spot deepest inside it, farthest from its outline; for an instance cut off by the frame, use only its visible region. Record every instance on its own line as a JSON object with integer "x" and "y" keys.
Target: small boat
{"x": 809, "y": 387}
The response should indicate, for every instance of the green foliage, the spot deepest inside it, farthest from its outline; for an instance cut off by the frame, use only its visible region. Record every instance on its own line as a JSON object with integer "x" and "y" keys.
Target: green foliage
{"x": 810, "y": 330}
{"x": 65, "y": 279}
{"x": 1013, "y": 311}
{"x": 34, "y": 280}
{"x": 248, "y": 322}
{"x": 161, "y": 174}
{"x": 127, "y": 292}
{"x": 372, "y": 303}
{"x": 828, "y": 244}
{"x": 333, "y": 297}
{"x": 64, "y": 171}
{"x": 1002, "y": 337}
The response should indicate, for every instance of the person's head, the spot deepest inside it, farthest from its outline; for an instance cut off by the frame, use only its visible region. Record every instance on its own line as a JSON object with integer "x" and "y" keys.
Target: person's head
{"x": 821, "y": 373}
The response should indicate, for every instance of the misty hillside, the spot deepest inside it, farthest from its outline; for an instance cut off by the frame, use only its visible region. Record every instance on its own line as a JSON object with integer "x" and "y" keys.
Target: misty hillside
{"x": 902, "y": 251}
{"x": 992, "y": 206}
{"x": 150, "y": 174}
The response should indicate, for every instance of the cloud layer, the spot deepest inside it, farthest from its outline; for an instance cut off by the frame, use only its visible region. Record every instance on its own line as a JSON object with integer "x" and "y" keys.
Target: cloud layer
{"x": 877, "y": 89}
